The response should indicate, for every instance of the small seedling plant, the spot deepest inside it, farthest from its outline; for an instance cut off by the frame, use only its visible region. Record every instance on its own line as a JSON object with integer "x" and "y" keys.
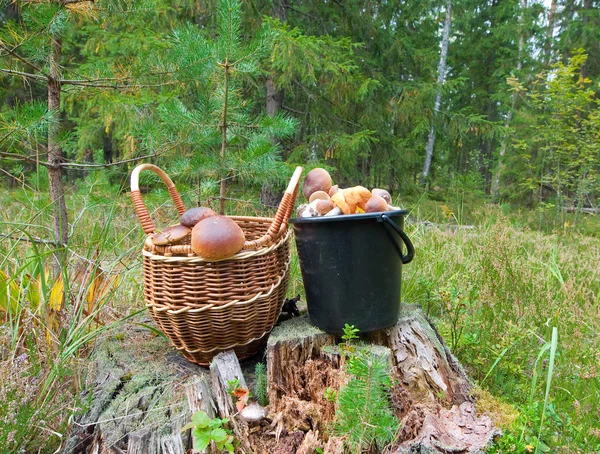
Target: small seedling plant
{"x": 363, "y": 414}
{"x": 206, "y": 430}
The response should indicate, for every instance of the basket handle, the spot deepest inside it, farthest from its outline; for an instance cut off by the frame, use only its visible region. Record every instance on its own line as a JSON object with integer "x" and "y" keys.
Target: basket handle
{"x": 136, "y": 195}
{"x": 282, "y": 215}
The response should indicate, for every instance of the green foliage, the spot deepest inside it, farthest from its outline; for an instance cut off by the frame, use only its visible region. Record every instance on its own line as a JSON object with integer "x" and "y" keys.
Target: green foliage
{"x": 260, "y": 384}
{"x": 349, "y": 337}
{"x": 560, "y": 151}
{"x": 495, "y": 294}
{"x": 363, "y": 414}
{"x": 206, "y": 430}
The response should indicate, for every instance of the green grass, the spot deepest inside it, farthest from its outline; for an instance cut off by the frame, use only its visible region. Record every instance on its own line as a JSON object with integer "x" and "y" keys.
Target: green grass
{"x": 496, "y": 292}
{"x": 520, "y": 309}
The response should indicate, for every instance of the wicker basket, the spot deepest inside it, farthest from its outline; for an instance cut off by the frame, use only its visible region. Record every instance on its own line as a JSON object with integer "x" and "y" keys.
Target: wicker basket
{"x": 206, "y": 307}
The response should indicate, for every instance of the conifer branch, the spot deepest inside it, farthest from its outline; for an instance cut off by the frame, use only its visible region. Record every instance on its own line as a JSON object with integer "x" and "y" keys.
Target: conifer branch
{"x": 22, "y": 59}
{"x": 83, "y": 83}
{"x": 23, "y": 74}
{"x": 21, "y": 157}
{"x": 109, "y": 164}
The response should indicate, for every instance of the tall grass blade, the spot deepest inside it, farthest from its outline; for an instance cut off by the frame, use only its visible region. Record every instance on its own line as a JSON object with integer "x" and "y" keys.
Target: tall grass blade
{"x": 553, "y": 349}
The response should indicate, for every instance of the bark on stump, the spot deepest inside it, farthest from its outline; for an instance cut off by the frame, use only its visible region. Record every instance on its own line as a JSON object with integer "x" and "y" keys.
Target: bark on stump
{"x": 143, "y": 392}
{"x": 432, "y": 397}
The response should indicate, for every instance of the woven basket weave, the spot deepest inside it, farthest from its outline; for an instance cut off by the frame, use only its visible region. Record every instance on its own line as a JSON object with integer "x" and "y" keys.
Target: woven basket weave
{"x": 206, "y": 307}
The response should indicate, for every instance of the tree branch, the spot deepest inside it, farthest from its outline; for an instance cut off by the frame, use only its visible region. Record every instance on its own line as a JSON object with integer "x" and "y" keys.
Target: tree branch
{"x": 22, "y": 59}
{"x": 83, "y": 83}
{"x": 25, "y": 158}
{"x": 111, "y": 164}
{"x": 20, "y": 73}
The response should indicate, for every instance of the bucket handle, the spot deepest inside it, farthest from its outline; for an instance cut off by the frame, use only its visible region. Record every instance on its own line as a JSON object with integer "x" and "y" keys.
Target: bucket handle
{"x": 410, "y": 249}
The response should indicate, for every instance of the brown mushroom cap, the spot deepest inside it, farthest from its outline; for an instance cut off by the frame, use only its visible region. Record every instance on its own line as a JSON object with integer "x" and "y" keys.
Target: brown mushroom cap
{"x": 357, "y": 196}
{"x": 333, "y": 190}
{"x": 194, "y": 215}
{"x": 171, "y": 235}
{"x": 376, "y": 204}
{"x": 217, "y": 238}
{"x": 316, "y": 180}
{"x": 338, "y": 199}
{"x": 324, "y": 206}
{"x": 383, "y": 194}
{"x": 318, "y": 195}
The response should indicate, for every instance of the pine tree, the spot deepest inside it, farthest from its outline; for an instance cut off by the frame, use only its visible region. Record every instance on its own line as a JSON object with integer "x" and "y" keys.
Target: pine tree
{"x": 210, "y": 120}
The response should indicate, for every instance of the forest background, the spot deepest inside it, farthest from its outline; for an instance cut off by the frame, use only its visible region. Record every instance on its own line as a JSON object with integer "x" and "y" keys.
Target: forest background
{"x": 450, "y": 105}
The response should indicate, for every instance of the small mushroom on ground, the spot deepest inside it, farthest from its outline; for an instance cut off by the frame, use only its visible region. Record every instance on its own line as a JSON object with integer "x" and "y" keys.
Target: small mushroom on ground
{"x": 376, "y": 204}
{"x": 217, "y": 238}
{"x": 171, "y": 235}
{"x": 253, "y": 412}
{"x": 316, "y": 180}
{"x": 194, "y": 215}
{"x": 383, "y": 194}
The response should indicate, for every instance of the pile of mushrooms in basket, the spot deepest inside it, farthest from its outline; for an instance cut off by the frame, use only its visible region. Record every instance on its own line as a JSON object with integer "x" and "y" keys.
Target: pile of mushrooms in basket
{"x": 213, "y": 237}
{"x": 324, "y": 199}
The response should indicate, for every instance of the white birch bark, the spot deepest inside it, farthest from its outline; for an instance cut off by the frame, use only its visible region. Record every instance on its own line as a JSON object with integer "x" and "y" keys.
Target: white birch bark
{"x": 438, "y": 97}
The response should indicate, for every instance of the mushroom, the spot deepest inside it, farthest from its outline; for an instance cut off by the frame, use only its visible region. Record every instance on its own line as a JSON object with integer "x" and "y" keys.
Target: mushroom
{"x": 376, "y": 204}
{"x": 321, "y": 195}
{"x": 253, "y": 412}
{"x": 316, "y": 180}
{"x": 217, "y": 238}
{"x": 194, "y": 215}
{"x": 340, "y": 201}
{"x": 358, "y": 196}
{"x": 383, "y": 194}
{"x": 333, "y": 190}
{"x": 306, "y": 211}
{"x": 171, "y": 235}
{"x": 323, "y": 206}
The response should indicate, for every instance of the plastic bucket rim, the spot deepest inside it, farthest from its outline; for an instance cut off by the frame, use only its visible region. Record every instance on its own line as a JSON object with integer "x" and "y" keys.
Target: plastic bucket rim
{"x": 346, "y": 217}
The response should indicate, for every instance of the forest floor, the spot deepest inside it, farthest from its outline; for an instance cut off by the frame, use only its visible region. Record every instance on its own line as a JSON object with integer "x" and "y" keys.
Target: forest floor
{"x": 496, "y": 292}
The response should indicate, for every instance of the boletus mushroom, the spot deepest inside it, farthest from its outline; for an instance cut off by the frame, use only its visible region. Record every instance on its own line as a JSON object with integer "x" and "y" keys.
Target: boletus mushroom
{"x": 383, "y": 194}
{"x": 318, "y": 195}
{"x": 316, "y": 180}
{"x": 171, "y": 235}
{"x": 194, "y": 215}
{"x": 217, "y": 238}
{"x": 376, "y": 204}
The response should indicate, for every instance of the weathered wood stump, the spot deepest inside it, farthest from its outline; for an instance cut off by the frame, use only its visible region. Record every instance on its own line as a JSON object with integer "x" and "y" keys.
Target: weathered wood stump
{"x": 143, "y": 392}
{"x": 432, "y": 396}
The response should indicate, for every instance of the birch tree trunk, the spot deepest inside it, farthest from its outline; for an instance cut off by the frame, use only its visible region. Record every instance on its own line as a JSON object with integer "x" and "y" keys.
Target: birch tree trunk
{"x": 60, "y": 223}
{"x": 509, "y": 115}
{"x": 438, "y": 97}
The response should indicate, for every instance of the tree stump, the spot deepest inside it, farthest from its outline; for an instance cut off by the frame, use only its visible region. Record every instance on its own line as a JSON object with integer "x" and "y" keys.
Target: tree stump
{"x": 143, "y": 392}
{"x": 432, "y": 395}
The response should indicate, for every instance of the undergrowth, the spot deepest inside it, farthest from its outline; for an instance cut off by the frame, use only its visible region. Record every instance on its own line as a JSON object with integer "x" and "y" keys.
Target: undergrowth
{"x": 520, "y": 309}
{"x": 496, "y": 291}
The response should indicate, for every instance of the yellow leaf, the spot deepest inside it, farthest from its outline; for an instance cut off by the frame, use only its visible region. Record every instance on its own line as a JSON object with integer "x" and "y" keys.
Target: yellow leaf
{"x": 9, "y": 293}
{"x": 57, "y": 295}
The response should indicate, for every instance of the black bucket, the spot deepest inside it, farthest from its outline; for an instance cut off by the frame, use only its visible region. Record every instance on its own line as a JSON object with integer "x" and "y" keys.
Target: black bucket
{"x": 352, "y": 268}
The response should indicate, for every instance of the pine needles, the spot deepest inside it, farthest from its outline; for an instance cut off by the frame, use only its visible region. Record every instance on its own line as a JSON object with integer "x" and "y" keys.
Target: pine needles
{"x": 363, "y": 415}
